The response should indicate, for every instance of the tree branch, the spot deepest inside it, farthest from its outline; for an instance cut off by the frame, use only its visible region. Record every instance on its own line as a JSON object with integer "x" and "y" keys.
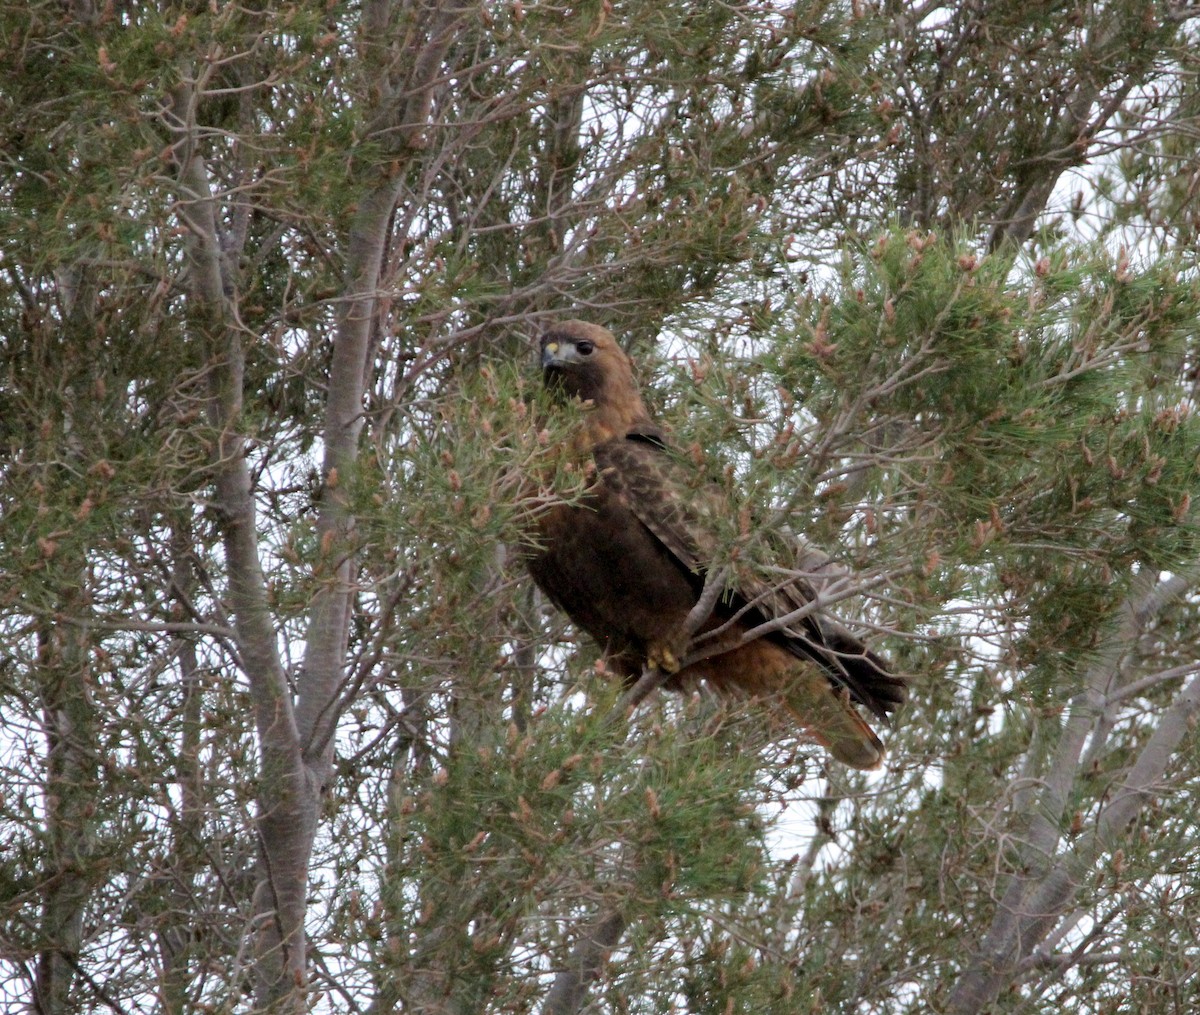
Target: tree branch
{"x": 1040, "y": 891}
{"x": 570, "y": 988}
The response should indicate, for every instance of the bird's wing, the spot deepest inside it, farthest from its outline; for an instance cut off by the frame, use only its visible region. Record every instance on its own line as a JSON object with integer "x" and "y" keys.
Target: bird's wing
{"x": 642, "y": 473}
{"x": 684, "y": 517}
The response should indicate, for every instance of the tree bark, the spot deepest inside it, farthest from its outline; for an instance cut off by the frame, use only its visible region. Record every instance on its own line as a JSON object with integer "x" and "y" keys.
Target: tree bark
{"x": 572, "y": 983}
{"x": 296, "y": 738}
{"x": 287, "y": 796}
{"x": 1078, "y": 124}
{"x": 70, "y": 793}
{"x": 1038, "y": 896}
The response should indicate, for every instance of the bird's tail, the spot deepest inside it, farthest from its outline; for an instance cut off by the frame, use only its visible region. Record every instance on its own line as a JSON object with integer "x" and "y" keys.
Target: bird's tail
{"x": 827, "y": 714}
{"x": 850, "y": 665}
{"x": 804, "y": 691}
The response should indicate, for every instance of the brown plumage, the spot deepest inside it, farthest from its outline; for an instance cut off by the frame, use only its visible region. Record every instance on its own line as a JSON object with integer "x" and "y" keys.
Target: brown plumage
{"x": 627, "y": 563}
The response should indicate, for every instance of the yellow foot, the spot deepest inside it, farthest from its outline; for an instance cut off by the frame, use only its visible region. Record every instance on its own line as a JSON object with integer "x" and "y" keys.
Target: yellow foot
{"x": 663, "y": 659}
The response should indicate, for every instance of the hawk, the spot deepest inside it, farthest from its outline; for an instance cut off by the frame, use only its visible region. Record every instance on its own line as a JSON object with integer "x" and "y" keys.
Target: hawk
{"x": 627, "y": 562}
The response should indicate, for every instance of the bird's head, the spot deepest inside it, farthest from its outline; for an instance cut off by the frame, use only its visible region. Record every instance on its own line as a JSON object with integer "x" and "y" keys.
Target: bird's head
{"x": 584, "y": 360}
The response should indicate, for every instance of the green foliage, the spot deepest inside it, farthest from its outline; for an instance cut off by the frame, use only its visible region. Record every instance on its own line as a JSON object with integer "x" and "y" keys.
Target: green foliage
{"x": 496, "y": 842}
{"x": 1002, "y": 447}
{"x": 1056, "y": 451}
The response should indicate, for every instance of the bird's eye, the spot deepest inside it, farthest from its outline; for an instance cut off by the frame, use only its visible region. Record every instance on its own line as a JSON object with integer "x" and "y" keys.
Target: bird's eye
{"x": 585, "y": 348}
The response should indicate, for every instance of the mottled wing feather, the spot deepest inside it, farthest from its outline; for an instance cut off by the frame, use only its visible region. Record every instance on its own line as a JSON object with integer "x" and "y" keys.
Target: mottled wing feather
{"x": 641, "y": 473}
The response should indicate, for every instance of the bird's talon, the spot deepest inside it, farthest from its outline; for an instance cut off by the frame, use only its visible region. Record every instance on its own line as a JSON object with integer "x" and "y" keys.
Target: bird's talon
{"x": 664, "y": 660}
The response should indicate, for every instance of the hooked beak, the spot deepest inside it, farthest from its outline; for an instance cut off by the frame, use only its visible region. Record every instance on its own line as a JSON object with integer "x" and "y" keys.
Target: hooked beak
{"x": 558, "y": 354}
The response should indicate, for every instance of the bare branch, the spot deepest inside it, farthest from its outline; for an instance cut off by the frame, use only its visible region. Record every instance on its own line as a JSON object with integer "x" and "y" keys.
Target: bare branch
{"x": 1036, "y": 896}
{"x": 571, "y": 984}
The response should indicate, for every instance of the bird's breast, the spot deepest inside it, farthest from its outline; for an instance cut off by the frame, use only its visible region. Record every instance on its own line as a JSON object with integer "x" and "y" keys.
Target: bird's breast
{"x": 609, "y": 574}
